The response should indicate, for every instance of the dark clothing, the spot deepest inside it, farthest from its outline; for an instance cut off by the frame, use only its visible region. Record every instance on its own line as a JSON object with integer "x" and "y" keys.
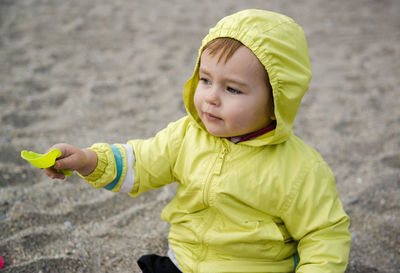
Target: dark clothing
{"x": 157, "y": 264}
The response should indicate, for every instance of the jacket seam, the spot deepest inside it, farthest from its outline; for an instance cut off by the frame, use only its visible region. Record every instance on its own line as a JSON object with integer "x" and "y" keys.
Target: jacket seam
{"x": 232, "y": 30}
{"x": 295, "y": 189}
{"x": 175, "y": 145}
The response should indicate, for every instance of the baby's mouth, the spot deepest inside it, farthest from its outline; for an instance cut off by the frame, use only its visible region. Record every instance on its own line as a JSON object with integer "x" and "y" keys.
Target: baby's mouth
{"x": 211, "y": 117}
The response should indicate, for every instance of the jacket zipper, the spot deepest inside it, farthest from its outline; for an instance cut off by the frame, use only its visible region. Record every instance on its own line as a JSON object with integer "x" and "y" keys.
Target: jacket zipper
{"x": 215, "y": 170}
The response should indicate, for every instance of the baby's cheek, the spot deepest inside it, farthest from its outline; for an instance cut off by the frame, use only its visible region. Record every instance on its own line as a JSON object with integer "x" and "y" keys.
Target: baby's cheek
{"x": 238, "y": 114}
{"x": 197, "y": 99}
{"x": 243, "y": 120}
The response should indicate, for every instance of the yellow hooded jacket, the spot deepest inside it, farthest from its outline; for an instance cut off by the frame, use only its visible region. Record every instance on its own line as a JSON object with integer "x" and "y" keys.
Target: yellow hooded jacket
{"x": 246, "y": 207}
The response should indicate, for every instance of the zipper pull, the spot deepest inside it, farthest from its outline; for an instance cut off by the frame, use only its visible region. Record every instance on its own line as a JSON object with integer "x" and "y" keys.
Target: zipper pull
{"x": 220, "y": 161}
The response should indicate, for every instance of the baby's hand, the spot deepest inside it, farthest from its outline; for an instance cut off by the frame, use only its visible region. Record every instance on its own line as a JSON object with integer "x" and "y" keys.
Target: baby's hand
{"x": 72, "y": 158}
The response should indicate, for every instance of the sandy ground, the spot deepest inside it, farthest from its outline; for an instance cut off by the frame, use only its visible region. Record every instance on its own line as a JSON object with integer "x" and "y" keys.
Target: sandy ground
{"x": 108, "y": 71}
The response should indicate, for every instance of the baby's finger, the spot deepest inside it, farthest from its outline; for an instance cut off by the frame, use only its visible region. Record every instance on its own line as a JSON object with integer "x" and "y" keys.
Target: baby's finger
{"x": 66, "y": 163}
{"x": 52, "y": 173}
{"x": 63, "y": 147}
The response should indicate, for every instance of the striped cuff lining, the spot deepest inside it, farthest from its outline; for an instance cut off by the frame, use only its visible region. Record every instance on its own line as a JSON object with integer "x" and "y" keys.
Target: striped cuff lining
{"x": 119, "y": 164}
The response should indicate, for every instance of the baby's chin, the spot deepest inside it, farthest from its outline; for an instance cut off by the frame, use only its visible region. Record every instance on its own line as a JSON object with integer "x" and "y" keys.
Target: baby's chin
{"x": 217, "y": 130}
{"x": 217, "y": 133}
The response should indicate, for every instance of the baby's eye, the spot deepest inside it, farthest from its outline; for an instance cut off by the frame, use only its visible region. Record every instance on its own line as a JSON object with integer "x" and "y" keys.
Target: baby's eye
{"x": 205, "y": 81}
{"x": 234, "y": 91}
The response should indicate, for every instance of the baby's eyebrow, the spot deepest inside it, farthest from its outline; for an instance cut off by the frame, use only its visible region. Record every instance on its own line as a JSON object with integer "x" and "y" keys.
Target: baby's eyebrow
{"x": 204, "y": 71}
{"x": 239, "y": 83}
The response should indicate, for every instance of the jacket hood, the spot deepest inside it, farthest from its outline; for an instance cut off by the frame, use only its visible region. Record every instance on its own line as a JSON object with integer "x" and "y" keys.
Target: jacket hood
{"x": 280, "y": 45}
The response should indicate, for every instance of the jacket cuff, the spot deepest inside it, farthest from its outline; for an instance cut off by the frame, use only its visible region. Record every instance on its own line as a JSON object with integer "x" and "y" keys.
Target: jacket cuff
{"x": 105, "y": 170}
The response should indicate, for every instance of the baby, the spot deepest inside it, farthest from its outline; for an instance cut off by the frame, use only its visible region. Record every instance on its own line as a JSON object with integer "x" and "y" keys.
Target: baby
{"x": 251, "y": 196}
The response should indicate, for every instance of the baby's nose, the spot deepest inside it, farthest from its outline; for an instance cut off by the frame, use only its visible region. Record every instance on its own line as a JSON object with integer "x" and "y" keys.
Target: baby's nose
{"x": 213, "y": 97}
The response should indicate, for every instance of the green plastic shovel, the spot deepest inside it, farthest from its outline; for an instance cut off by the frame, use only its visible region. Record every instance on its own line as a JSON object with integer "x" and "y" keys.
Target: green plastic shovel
{"x": 44, "y": 160}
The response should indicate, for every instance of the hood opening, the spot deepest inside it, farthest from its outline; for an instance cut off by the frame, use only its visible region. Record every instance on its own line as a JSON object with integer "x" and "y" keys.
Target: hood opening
{"x": 280, "y": 45}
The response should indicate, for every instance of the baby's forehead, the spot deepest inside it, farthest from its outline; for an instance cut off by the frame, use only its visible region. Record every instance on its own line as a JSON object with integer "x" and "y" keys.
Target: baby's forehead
{"x": 223, "y": 47}
{"x": 242, "y": 56}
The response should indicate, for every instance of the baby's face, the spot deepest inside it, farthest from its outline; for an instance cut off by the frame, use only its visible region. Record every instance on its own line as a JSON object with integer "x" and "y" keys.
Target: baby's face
{"x": 233, "y": 98}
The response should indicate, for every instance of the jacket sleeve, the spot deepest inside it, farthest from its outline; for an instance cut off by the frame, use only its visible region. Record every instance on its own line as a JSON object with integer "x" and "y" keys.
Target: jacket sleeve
{"x": 140, "y": 165}
{"x": 315, "y": 218}
{"x": 155, "y": 158}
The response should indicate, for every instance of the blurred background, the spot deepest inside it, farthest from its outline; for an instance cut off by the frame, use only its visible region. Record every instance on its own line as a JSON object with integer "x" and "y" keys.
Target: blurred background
{"x": 109, "y": 71}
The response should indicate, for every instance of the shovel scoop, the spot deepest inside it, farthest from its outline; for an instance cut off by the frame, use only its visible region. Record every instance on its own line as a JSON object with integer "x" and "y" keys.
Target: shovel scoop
{"x": 44, "y": 160}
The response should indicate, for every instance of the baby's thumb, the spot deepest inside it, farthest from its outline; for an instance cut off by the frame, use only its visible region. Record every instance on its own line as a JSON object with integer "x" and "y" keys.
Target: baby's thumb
{"x": 64, "y": 163}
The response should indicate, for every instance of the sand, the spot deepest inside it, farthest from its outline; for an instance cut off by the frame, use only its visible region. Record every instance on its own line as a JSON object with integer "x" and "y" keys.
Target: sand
{"x": 108, "y": 71}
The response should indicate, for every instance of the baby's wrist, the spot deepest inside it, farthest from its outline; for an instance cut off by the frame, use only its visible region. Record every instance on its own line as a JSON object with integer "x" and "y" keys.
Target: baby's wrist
{"x": 91, "y": 162}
